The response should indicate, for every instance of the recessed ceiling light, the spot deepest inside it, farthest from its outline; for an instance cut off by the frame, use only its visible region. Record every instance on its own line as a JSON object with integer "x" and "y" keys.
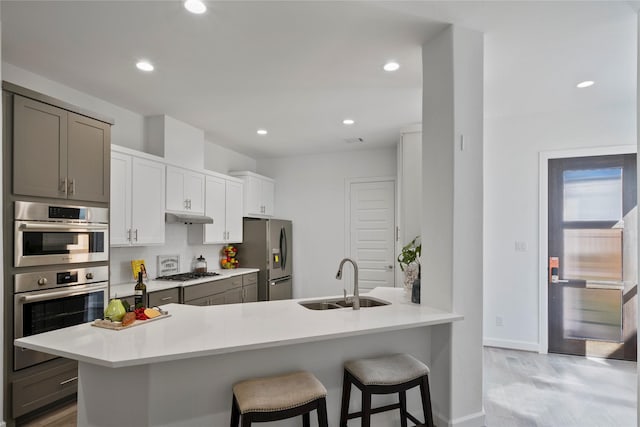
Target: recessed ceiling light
{"x": 585, "y": 83}
{"x": 144, "y": 66}
{"x": 261, "y": 131}
{"x": 195, "y": 6}
{"x": 391, "y": 66}
{"x": 348, "y": 122}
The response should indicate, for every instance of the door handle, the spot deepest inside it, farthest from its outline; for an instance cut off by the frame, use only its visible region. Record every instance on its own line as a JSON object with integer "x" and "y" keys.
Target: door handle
{"x": 72, "y": 185}
{"x": 390, "y": 267}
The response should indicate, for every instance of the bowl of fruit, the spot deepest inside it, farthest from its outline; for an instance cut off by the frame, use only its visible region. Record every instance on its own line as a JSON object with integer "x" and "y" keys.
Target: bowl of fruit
{"x": 228, "y": 259}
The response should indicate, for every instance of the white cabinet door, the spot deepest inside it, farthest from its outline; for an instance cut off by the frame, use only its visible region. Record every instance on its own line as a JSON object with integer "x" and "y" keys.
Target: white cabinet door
{"x": 194, "y": 190}
{"x": 234, "y": 211}
{"x": 215, "y": 208}
{"x": 185, "y": 191}
{"x": 253, "y": 196}
{"x": 176, "y": 199}
{"x": 268, "y": 197}
{"x": 148, "y": 201}
{"x": 120, "y": 205}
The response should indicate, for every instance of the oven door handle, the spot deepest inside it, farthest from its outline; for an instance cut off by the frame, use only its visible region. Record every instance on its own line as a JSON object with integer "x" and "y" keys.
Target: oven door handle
{"x": 58, "y": 294}
{"x": 67, "y": 227}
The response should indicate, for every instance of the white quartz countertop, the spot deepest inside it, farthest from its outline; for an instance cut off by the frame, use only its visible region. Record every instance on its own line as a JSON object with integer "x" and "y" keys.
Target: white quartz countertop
{"x": 122, "y": 290}
{"x": 193, "y": 331}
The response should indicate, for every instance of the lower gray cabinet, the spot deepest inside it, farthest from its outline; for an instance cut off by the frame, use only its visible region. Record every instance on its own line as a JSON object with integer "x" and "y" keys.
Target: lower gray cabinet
{"x": 250, "y": 287}
{"x": 208, "y": 293}
{"x": 34, "y": 391}
{"x": 166, "y": 296}
{"x": 232, "y": 290}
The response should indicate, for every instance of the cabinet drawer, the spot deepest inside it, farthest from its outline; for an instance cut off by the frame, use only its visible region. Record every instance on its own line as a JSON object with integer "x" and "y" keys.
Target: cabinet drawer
{"x": 234, "y": 282}
{"x": 204, "y": 289}
{"x": 198, "y": 301}
{"x": 35, "y": 391}
{"x": 167, "y": 296}
{"x": 250, "y": 279}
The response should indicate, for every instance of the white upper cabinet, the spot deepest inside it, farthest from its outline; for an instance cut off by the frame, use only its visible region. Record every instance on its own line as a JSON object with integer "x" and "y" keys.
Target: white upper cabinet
{"x": 223, "y": 202}
{"x": 259, "y": 194}
{"x": 185, "y": 191}
{"x": 137, "y": 200}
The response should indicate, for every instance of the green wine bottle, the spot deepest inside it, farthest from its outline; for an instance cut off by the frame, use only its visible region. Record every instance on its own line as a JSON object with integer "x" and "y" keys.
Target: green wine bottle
{"x": 140, "y": 298}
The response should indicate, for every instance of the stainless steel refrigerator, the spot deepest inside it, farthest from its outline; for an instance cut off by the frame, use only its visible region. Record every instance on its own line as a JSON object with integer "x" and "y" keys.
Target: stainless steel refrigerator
{"x": 267, "y": 246}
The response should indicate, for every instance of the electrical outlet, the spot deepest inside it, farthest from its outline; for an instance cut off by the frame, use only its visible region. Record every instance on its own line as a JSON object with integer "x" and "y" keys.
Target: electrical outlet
{"x": 499, "y": 321}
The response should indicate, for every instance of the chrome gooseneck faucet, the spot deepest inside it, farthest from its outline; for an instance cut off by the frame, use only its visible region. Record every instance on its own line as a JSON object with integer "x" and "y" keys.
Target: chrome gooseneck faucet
{"x": 356, "y": 294}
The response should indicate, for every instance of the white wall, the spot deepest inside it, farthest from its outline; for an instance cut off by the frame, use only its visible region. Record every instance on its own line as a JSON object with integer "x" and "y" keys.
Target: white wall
{"x": 310, "y": 191}
{"x": 176, "y": 242}
{"x": 223, "y": 160}
{"x": 512, "y": 146}
{"x": 452, "y": 226}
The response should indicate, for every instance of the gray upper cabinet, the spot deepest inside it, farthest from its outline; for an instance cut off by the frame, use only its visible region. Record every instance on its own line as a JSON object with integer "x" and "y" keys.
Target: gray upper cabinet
{"x": 59, "y": 154}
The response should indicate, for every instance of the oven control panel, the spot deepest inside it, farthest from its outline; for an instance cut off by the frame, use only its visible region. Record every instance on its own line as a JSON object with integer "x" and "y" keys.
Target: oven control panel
{"x": 26, "y": 282}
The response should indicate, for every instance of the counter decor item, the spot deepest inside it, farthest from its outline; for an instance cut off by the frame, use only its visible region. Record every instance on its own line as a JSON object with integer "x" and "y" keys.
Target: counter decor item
{"x": 201, "y": 265}
{"x": 137, "y": 266}
{"x": 409, "y": 261}
{"x": 168, "y": 264}
{"x": 228, "y": 259}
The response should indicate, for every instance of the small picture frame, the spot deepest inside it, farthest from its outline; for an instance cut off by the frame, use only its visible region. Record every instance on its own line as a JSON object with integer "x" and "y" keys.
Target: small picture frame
{"x": 168, "y": 264}
{"x": 137, "y": 265}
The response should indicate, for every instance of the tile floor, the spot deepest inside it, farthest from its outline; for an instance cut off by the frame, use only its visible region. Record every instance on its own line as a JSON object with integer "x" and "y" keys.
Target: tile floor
{"x": 523, "y": 389}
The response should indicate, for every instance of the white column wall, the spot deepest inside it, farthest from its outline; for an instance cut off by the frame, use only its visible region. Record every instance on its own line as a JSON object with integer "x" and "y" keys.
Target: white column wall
{"x": 2, "y": 423}
{"x": 452, "y": 224}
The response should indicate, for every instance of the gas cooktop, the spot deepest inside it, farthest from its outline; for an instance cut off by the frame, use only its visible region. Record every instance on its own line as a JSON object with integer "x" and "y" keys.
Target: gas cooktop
{"x": 182, "y": 277}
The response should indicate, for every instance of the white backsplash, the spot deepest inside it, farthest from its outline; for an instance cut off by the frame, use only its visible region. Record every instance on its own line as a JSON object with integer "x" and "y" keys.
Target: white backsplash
{"x": 175, "y": 243}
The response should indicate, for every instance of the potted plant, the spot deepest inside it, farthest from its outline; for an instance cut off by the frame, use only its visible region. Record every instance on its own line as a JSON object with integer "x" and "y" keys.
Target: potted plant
{"x": 409, "y": 260}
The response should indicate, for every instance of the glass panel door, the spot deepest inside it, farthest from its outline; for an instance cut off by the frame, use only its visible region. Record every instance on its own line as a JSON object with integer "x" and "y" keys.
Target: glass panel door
{"x": 593, "y": 234}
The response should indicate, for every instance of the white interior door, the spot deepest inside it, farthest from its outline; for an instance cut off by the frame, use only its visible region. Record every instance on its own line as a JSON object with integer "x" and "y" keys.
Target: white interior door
{"x": 372, "y": 231}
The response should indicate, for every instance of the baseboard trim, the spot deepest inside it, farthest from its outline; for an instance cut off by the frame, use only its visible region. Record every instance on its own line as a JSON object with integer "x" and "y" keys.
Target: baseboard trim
{"x": 511, "y": 344}
{"x": 472, "y": 420}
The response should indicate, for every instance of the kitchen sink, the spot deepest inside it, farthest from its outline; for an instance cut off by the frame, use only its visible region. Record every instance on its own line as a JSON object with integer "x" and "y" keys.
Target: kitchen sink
{"x": 333, "y": 303}
{"x": 320, "y": 305}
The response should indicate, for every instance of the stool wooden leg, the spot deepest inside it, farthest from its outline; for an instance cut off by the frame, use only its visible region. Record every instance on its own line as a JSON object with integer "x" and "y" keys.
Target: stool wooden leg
{"x": 346, "y": 396}
{"x": 366, "y": 408}
{"x": 322, "y": 413}
{"x": 246, "y": 420}
{"x": 403, "y": 408}
{"x": 235, "y": 413}
{"x": 426, "y": 401}
{"x": 306, "y": 421}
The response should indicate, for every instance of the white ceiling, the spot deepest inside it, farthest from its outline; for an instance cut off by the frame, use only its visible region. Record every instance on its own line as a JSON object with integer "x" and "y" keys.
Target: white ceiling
{"x": 297, "y": 68}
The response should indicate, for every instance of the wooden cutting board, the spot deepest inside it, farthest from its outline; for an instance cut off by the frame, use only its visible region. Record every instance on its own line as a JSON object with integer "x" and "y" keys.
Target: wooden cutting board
{"x": 117, "y": 326}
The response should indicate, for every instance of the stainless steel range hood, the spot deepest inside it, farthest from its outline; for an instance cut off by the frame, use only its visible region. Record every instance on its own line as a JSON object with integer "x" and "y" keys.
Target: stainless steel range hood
{"x": 187, "y": 218}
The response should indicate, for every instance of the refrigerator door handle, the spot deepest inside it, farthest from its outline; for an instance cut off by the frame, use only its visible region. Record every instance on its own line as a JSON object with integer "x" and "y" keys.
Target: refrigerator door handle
{"x": 276, "y": 281}
{"x": 283, "y": 247}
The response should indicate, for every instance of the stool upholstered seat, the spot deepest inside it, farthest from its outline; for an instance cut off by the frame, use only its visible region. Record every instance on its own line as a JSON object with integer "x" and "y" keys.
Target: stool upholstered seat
{"x": 279, "y": 397}
{"x": 394, "y": 373}
{"x": 387, "y": 370}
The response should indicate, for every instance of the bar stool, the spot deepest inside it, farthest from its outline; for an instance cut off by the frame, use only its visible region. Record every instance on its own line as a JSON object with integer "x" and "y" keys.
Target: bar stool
{"x": 396, "y": 373}
{"x": 277, "y": 398}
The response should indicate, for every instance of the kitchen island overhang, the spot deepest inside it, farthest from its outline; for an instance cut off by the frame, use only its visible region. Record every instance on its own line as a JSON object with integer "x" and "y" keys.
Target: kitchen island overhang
{"x": 197, "y": 354}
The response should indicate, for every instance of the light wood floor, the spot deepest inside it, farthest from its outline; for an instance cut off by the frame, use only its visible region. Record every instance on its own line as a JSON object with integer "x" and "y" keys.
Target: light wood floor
{"x": 523, "y": 389}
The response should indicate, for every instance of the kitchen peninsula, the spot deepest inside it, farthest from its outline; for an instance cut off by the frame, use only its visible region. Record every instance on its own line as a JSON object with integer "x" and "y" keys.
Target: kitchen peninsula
{"x": 179, "y": 371}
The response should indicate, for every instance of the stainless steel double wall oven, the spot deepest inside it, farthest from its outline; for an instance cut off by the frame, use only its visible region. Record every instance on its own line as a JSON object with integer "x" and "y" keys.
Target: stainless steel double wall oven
{"x": 51, "y": 290}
